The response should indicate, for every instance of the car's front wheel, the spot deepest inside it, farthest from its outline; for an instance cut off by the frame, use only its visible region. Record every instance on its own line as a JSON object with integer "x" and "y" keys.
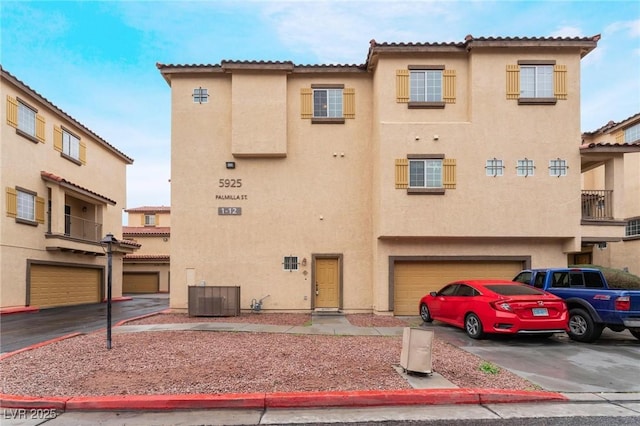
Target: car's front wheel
{"x": 582, "y": 327}
{"x": 424, "y": 313}
{"x": 473, "y": 326}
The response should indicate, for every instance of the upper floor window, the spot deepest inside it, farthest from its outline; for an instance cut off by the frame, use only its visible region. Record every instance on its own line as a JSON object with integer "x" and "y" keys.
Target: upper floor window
{"x": 525, "y": 167}
{"x": 632, "y": 134}
{"x": 494, "y": 167}
{"x": 149, "y": 220}
{"x": 536, "y": 81}
{"x": 633, "y": 228}
{"x": 425, "y": 173}
{"x": 26, "y": 205}
{"x": 558, "y": 167}
{"x": 426, "y": 86}
{"x": 25, "y": 119}
{"x": 327, "y": 103}
{"x": 200, "y": 95}
{"x": 70, "y": 145}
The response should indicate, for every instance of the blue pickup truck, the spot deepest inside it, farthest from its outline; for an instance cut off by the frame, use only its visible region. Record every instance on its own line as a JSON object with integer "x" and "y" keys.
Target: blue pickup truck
{"x": 592, "y": 304}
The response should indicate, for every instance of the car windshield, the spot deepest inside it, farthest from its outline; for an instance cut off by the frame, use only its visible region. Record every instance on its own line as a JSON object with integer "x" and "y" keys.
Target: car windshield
{"x": 514, "y": 290}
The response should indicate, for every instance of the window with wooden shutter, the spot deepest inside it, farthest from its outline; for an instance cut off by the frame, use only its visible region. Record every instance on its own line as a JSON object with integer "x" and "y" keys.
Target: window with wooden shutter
{"x": 513, "y": 81}
{"x": 306, "y": 103}
{"x": 449, "y": 173}
{"x": 349, "y": 99}
{"x": 12, "y": 202}
{"x": 40, "y": 128}
{"x": 619, "y": 136}
{"x": 40, "y": 210}
{"x": 82, "y": 152}
{"x": 425, "y": 173}
{"x": 402, "y": 86}
{"x": 57, "y": 138}
{"x": 12, "y": 111}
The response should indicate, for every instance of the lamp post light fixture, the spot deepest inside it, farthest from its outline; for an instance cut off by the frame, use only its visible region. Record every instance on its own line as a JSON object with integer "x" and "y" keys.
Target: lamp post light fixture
{"x": 108, "y": 240}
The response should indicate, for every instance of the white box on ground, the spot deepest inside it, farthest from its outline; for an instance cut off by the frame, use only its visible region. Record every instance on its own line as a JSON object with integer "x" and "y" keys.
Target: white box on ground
{"x": 416, "y": 350}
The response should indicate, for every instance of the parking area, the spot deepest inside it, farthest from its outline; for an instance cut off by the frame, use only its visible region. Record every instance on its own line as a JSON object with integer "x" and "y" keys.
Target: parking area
{"x": 612, "y": 364}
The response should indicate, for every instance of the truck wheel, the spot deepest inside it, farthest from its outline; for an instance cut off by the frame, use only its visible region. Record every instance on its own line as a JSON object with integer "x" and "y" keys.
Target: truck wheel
{"x": 582, "y": 328}
{"x": 635, "y": 333}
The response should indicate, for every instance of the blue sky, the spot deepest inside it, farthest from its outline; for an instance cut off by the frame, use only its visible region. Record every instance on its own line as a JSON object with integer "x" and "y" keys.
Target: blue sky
{"x": 96, "y": 59}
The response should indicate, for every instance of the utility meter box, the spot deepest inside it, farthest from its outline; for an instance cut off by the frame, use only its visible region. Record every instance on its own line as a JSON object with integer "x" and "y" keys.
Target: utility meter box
{"x": 416, "y": 351}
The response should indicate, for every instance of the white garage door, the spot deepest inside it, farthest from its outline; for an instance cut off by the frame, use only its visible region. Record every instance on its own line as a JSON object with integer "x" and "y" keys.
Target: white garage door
{"x": 412, "y": 280}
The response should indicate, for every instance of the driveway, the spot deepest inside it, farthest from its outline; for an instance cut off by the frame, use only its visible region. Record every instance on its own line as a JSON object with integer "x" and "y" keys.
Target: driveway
{"x": 559, "y": 364}
{"x": 20, "y": 330}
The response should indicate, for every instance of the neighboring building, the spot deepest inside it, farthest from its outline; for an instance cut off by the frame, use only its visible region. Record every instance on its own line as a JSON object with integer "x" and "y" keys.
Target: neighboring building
{"x": 147, "y": 270}
{"x": 64, "y": 188}
{"x": 613, "y": 156}
{"x": 362, "y": 187}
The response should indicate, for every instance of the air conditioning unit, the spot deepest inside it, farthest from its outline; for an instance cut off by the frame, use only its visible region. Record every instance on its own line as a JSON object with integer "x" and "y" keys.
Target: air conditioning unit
{"x": 416, "y": 351}
{"x": 205, "y": 301}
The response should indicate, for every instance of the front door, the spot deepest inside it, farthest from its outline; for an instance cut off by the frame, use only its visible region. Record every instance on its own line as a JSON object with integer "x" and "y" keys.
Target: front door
{"x": 327, "y": 285}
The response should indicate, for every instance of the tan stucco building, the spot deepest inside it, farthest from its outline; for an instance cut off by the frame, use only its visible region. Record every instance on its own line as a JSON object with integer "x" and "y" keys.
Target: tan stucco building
{"x": 64, "y": 188}
{"x": 362, "y": 187}
{"x": 615, "y": 157}
{"x": 147, "y": 270}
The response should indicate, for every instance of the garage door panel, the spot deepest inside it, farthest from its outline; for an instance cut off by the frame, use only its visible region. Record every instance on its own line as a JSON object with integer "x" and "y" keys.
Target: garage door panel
{"x": 412, "y": 280}
{"x": 52, "y": 285}
{"x": 140, "y": 283}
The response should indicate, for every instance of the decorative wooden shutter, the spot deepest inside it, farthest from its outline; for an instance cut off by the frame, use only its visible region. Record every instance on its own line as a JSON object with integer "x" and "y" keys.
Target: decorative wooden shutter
{"x": 57, "y": 138}
{"x": 39, "y": 209}
{"x": 306, "y": 104}
{"x": 156, "y": 220}
{"x": 560, "y": 81}
{"x": 513, "y": 82}
{"x": 402, "y": 166}
{"x": 12, "y": 112}
{"x": 83, "y": 152}
{"x": 12, "y": 202}
{"x": 40, "y": 128}
{"x": 449, "y": 173}
{"x": 142, "y": 221}
{"x": 449, "y": 86}
{"x": 349, "y": 100}
{"x": 619, "y": 135}
{"x": 402, "y": 86}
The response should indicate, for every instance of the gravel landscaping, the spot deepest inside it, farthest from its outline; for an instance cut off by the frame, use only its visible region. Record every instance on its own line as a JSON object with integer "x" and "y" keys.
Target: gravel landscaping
{"x": 189, "y": 362}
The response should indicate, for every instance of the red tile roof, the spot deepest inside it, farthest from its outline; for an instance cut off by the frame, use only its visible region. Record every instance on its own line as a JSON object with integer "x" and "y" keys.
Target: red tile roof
{"x": 612, "y": 124}
{"x": 146, "y": 257}
{"x": 65, "y": 183}
{"x": 146, "y": 230}
{"x": 610, "y": 147}
{"x": 149, "y": 209}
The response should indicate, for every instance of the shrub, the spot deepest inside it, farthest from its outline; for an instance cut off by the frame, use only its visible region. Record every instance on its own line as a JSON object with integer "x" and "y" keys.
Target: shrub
{"x": 616, "y": 278}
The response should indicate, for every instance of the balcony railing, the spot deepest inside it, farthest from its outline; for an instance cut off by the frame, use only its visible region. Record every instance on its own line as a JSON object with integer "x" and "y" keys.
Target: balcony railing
{"x": 83, "y": 229}
{"x": 597, "y": 204}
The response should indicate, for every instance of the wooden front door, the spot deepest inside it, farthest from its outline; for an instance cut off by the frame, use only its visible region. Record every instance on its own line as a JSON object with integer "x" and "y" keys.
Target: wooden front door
{"x": 327, "y": 285}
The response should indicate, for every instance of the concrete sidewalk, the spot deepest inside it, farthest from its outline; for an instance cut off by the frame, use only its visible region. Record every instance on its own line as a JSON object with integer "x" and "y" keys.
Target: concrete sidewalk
{"x": 428, "y": 391}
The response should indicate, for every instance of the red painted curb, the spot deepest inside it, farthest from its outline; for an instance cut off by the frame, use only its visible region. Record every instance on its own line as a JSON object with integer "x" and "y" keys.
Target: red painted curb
{"x": 498, "y": 396}
{"x": 19, "y": 401}
{"x": 371, "y": 398}
{"x": 37, "y": 345}
{"x": 19, "y": 310}
{"x": 166, "y": 402}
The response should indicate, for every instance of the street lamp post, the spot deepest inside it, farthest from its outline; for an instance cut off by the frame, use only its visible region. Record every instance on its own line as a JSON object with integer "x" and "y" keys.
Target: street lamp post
{"x": 108, "y": 240}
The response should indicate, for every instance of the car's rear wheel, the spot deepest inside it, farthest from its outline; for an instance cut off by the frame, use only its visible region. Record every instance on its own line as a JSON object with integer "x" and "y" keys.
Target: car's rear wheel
{"x": 424, "y": 313}
{"x": 635, "y": 333}
{"x": 582, "y": 327}
{"x": 473, "y": 326}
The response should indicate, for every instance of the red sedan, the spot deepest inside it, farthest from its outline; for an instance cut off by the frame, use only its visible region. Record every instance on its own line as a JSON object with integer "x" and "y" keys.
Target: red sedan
{"x": 496, "y": 306}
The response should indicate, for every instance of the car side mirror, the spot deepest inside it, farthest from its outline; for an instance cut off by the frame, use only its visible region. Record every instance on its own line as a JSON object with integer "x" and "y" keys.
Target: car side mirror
{"x": 433, "y": 294}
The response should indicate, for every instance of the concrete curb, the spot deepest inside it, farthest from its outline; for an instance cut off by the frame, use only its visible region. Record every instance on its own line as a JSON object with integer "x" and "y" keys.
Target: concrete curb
{"x": 281, "y": 400}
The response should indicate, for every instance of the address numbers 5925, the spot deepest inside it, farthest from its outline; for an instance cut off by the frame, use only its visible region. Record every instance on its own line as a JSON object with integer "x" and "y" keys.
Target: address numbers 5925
{"x": 230, "y": 183}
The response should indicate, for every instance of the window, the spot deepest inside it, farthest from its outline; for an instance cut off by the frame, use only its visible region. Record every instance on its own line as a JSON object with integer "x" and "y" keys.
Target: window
{"x": 26, "y": 119}
{"x": 426, "y": 86}
{"x": 494, "y": 167}
{"x": 290, "y": 263}
{"x": 558, "y": 167}
{"x": 425, "y": 173}
{"x": 26, "y": 206}
{"x": 149, "y": 220}
{"x": 200, "y": 95}
{"x": 632, "y": 134}
{"x": 327, "y": 103}
{"x": 536, "y": 81}
{"x": 449, "y": 290}
{"x": 525, "y": 167}
{"x": 70, "y": 145}
{"x": 633, "y": 228}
